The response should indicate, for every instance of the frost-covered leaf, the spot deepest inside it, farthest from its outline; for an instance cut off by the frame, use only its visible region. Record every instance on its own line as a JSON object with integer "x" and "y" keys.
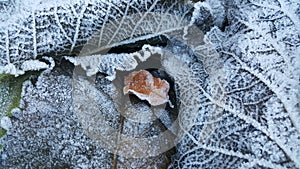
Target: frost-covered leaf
{"x": 64, "y": 28}
{"x": 110, "y": 63}
{"x": 259, "y": 127}
{"x": 48, "y": 135}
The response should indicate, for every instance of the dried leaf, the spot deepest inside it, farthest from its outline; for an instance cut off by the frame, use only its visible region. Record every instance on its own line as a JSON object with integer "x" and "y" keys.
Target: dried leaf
{"x": 146, "y": 87}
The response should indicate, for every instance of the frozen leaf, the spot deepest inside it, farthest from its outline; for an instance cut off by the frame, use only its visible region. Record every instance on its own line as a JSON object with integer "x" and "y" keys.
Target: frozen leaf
{"x": 63, "y": 28}
{"x": 45, "y": 131}
{"x": 146, "y": 87}
{"x": 259, "y": 127}
{"x": 110, "y": 63}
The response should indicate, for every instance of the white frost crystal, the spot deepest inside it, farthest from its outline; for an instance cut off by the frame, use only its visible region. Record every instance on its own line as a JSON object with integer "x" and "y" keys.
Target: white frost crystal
{"x": 5, "y": 123}
{"x": 33, "y": 65}
{"x": 109, "y": 63}
{"x": 11, "y": 69}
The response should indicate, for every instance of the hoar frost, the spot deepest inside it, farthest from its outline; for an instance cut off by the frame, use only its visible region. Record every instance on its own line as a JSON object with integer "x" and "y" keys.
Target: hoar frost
{"x": 244, "y": 101}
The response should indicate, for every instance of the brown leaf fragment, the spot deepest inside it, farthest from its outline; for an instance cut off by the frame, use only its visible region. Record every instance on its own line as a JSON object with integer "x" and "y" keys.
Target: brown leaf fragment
{"x": 146, "y": 87}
